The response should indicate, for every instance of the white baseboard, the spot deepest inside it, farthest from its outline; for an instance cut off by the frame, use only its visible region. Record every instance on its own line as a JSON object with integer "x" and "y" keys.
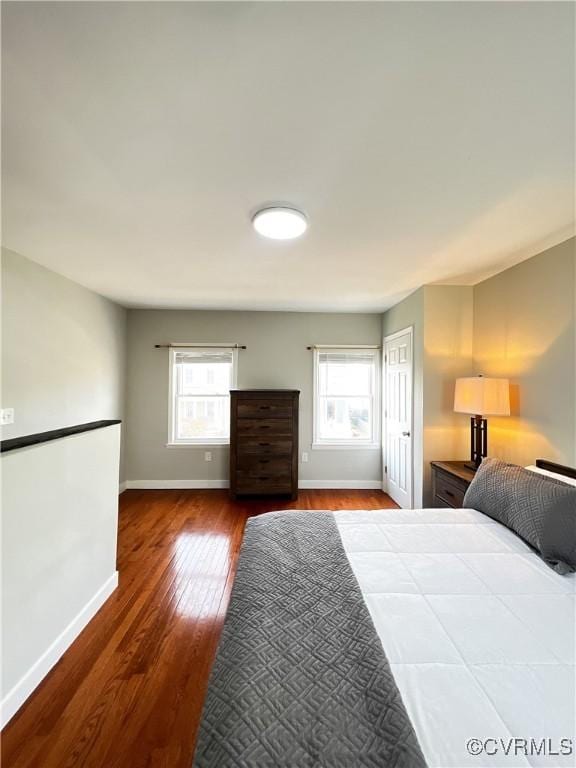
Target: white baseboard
{"x": 341, "y": 484}
{"x": 14, "y": 699}
{"x": 122, "y": 487}
{"x": 177, "y": 484}
{"x": 205, "y": 484}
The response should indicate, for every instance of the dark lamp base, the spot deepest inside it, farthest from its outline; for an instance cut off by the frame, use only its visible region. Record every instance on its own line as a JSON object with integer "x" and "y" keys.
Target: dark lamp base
{"x": 478, "y": 441}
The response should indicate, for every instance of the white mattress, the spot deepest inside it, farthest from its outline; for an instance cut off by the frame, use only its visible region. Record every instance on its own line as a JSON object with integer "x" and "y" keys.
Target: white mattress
{"x": 479, "y": 632}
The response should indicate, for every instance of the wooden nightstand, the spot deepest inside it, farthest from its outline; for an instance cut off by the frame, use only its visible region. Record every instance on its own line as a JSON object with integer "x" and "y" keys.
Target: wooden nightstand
{"x": 450, "y": 481}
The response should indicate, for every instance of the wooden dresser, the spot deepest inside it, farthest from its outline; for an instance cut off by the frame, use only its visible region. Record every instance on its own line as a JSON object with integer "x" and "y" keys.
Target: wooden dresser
{"x": 264, "y": 442}
{"x": 450, "y": 481}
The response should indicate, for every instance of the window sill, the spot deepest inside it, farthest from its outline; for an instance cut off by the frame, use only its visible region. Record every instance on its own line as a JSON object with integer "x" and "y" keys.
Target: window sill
{"x": 203, "y": 444}
{"x": 346, "y": 446}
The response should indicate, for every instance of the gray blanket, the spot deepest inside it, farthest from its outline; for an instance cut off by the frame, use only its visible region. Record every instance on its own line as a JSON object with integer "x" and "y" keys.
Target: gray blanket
{"x": 300, "y": 678}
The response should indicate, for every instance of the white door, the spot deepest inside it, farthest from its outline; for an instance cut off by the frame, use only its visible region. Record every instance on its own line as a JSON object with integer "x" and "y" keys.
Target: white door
{"x": 397, "y": 443}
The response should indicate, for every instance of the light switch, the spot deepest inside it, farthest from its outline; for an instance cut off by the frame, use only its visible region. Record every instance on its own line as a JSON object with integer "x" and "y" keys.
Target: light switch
{"x": 7, "y": 416}
{"x": 304, "y": 457}
{"x": 207, "y": 455}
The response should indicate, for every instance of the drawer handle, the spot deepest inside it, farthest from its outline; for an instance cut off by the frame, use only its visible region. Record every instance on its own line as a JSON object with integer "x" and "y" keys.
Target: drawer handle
{"x": 264, "y": 461}
{"x": 264, "y": 407}
{"x": 263, "y": 445}
{"x": 264, "y": 426}
{"x": 263, "y": 477}
{"x": 449, "y": 493}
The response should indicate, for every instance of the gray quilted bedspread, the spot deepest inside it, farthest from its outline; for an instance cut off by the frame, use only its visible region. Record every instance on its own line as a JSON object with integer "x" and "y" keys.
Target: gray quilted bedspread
{"x": 300, "y": 678}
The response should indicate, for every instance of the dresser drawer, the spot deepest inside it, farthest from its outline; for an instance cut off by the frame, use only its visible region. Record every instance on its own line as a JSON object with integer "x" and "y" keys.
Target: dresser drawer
{"x": 275, "y": 446}
{"x": 254, "y": 466}
{"x": 263, "y": 484}
{"x": 264, "y": 409}
{"x": 264, "y": 427}
{"x": 448, "y": 490}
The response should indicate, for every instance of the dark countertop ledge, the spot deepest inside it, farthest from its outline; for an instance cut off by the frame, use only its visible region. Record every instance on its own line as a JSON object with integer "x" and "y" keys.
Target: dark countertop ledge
{"x": 54, "y": 434}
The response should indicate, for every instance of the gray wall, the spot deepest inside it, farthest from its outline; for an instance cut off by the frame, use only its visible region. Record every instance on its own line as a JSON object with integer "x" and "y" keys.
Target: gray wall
{"x": 276, "y": 357}
{"x": 63, "y": 350}
{"x": 524, "y": 329}
{"x": 519, "y": 324}
{"x": 448, "y": 331}
{"x": 441, "y": 316}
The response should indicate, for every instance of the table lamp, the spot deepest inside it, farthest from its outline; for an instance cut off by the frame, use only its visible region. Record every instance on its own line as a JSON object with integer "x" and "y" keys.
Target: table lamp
{"x": 481, "y": 396}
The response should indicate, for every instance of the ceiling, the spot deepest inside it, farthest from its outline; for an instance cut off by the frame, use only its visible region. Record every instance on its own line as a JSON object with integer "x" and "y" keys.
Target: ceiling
{"x": 426, "y": 142}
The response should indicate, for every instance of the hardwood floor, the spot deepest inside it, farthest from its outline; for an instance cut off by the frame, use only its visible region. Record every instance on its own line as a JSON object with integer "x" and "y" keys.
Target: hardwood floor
{"x": 129, "y": 691}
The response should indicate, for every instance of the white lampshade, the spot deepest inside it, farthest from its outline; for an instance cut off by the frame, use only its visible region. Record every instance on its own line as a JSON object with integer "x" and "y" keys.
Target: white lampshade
{"x": 481, "y": 396}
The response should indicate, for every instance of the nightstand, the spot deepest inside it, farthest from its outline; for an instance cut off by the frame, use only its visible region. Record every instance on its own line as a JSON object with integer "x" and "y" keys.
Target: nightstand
{"x": 450, "y": 481}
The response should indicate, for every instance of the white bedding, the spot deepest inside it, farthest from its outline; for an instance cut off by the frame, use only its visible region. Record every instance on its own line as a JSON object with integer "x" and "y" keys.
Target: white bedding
{"x": 479, "y": 632}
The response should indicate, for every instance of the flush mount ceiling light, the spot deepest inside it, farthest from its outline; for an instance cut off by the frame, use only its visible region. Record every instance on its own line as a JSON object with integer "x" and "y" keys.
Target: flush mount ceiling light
{"x": 280, "y": 222}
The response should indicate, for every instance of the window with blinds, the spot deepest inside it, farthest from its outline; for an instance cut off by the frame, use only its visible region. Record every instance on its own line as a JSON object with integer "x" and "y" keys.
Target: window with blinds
{"x": 346, "y": 400}
{"x": 200, "y": 384}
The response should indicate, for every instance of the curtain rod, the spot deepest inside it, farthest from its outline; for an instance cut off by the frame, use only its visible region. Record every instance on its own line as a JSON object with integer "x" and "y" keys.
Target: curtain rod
{"x": 344, "y": 346}
{"x": 185, "y": 344}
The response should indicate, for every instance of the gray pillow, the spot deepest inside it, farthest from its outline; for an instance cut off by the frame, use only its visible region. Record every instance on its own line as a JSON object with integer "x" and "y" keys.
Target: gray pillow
{"x": 541, "y": 510}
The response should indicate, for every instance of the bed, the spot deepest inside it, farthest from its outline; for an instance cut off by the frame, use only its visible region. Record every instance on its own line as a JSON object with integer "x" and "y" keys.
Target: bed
{"x": 432, "y": 637}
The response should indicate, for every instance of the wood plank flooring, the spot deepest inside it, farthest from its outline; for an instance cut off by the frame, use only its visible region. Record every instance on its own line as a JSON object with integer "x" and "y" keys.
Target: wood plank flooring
{"x": 129, "y": 691}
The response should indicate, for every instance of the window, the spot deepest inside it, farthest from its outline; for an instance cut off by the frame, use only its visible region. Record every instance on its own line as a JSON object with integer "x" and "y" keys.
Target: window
{"x": 200, "y": 384}
{"x": 346, "y": 404}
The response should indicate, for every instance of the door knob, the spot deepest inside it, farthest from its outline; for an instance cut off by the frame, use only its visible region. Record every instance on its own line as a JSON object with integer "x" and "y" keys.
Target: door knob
{"x": 405, "y": 434}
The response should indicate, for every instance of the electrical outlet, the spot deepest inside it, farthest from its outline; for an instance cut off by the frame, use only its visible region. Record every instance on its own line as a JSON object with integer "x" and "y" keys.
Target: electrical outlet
{"x": 304, "y": 457}
{"x": 7, "y": 416}
{"x": 207, "y": 455}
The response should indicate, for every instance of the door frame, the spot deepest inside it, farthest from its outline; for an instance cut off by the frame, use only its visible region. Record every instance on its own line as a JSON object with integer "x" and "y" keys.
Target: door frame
{"x": 390, "y": 337}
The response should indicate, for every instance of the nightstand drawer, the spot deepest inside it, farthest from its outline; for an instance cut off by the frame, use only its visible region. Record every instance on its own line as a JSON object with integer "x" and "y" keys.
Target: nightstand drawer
{"x": 448, "y": 490}
{"x": 450, "y": 481}
{"x": 439, "y": 503}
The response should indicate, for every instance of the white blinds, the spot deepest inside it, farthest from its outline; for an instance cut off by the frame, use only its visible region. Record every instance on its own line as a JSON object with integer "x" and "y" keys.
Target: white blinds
{"x": 348, "y": 373}
{"x": 204, "y": 356}
{"x": 344, "y": 357}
